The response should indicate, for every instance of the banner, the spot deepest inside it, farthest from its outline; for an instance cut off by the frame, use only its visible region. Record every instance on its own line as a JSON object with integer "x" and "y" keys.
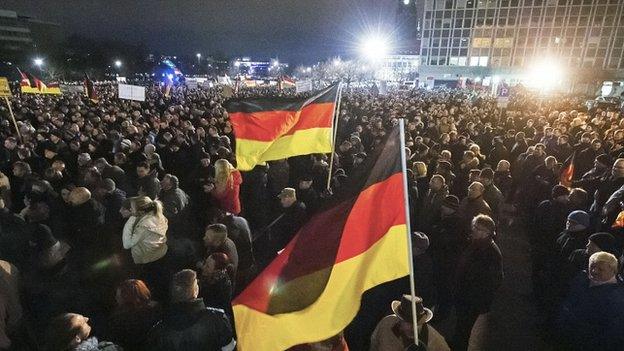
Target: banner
{"x": 5, "y": 90}
{"x": 131, "y": 92}
{"x": 430, "y": 83}
{"x": 303, "y": 85}
{"x": 121, "y": 79}
{"x": 224, "y": 80}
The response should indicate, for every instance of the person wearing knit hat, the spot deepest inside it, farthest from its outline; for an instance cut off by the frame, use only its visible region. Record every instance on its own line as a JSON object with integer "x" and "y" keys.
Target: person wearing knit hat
{"x": 602, "y": 242}
{"x": 575, "y": 235}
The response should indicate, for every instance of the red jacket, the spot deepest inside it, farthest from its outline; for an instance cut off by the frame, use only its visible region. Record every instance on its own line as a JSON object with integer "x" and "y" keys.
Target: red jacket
{"x": 228, "y": 199}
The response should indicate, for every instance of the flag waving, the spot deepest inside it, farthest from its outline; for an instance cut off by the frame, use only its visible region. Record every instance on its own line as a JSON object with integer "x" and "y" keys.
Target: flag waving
{"x": 32, "y": 85}
{"x": 90, "y": 89}
{"x": 269, "y": 129}
{"x": 313, "y": 289}
{"x": 567, "y": 172}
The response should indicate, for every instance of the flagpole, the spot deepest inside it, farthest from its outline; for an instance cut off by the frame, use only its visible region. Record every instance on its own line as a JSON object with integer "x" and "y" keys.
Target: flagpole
{"x": 408, "y": 228}
{"x": 334, "y": 133}
{"x": 6, "y": 98}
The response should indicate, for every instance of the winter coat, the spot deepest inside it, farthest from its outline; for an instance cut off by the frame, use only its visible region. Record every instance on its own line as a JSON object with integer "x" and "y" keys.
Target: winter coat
{"x": 148, "y": 186}
{"x": 147, "y": 240}
{"x": 479, "y": 275}
{"x": 229, "y": 198}
{"x": 189, "y": 325}
{"x": 592, "y": 317}
{"x": 128, "y": 326}
{"x": 10, "y": 307}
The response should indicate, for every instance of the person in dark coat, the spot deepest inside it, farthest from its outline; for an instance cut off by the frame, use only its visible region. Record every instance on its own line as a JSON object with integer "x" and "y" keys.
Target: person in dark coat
{"x": 575, "y": 235}
{"x": 473, "y": 205}
{"x": 447, "y": 242}
{"x": 215, "y": 283}
{"x": 294, "y": 214}
{"x": 112, "y": 200}
{"x": 216, "y": 240}
{"x": 608, "y": 185}
{"x": 175, "y": 202}
{"x": 432, "y": 202}
{"x": 240, "y": 233}
{"x": 115, "y": 173}
{"x": 479, "y": 275}
{"x": 592, "y": 315}
{"x": 147, "y": 183}
{"x": 135, "y": 315}
{"x": 188, "y": 324}
{"x": 585, "y": 158}
{"x": 87, "y": 217}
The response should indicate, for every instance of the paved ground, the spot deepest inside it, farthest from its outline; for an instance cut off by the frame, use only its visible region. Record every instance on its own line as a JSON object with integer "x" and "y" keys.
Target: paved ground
{"x": 511, "y": 324}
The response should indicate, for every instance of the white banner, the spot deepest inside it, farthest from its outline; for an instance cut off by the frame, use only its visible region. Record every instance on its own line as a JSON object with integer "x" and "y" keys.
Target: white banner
{"x": 302, "y": 86}
{"x": 224, "y": 80}
{"x": 131, "y": 92}
{"x": 121, "y": 79}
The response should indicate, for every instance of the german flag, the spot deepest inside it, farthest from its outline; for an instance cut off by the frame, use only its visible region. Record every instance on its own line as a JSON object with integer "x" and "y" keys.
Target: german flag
{"x": 33, "y": 85}
{"x": 90, "y": 89}
{"x": 269, "y": 129}
{"x": 313, "y": 289}
{"x": 567, "y": 172}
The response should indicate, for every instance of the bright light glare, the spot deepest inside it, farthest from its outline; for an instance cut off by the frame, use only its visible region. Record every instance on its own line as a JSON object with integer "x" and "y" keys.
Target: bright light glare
{"x": 237, "y": 63}
{"x": 117, "y": 63}
{"x": 336, "y": 62}
{"x": 38, "y": 61}
{"x": 406, "y": 2}
{"x": 374, "y": 48}
{"x": 198, "y": 55}
{"x": 545, "y": 74}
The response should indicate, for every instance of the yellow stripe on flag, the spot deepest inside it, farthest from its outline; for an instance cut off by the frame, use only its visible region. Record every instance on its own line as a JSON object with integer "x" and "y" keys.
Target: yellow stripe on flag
{"x": 386, "y": 260}
{"x": 250, "y": 153}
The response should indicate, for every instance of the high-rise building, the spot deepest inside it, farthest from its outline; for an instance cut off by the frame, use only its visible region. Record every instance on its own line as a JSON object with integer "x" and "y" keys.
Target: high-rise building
{"x": 408, "y": 18}
{"x": 473, "y": 37}
{"x": 23, "y": 35}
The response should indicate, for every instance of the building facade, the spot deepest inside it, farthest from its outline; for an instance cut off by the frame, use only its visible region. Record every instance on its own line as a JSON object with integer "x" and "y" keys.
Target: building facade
{"x": 508, "y": 37}
{"x": 21, "y": 36}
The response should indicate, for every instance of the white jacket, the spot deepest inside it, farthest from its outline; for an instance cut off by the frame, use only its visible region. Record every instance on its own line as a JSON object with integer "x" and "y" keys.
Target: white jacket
{"x": 148, "y": 241}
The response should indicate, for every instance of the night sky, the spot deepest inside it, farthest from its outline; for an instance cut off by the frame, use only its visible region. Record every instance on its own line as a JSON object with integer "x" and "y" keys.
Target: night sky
{"x": 298, "y": 31}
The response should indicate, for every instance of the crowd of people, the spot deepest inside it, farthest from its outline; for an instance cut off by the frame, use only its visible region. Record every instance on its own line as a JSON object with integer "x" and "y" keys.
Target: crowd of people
{"x": 128, "y": 221}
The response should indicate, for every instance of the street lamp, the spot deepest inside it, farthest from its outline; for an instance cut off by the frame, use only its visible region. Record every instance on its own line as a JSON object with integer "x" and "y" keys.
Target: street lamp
{"x": 118, "y": 63}
{"x": 198, "y": 58}
{"x": 374, "y": 48}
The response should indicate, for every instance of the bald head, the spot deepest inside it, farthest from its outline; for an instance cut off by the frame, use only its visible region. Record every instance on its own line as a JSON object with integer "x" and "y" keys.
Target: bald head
{"x": 79, "y": 196}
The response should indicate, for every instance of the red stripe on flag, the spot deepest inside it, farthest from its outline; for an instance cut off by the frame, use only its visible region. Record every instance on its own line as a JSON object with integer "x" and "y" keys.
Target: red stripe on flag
{"x": 270, "y": 125}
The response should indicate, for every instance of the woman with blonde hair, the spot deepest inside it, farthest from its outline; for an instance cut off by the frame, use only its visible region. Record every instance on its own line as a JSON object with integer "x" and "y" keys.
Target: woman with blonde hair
{"x": 145, "y": 234}
{"x": 227, "y": 186}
